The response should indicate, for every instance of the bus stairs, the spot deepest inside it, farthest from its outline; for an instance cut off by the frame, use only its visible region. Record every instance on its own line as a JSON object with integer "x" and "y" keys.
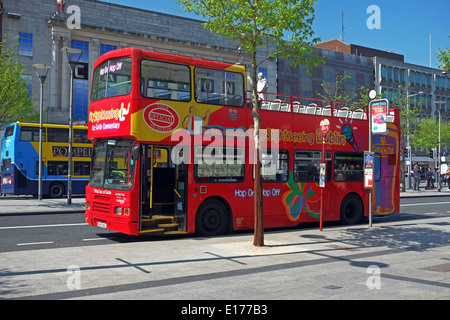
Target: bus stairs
{"x": 163, "y": 224}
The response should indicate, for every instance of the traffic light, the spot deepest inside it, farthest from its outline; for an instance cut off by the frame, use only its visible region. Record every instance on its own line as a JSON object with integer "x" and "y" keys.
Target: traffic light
{"x": 405, "y": 152}
{"x": 432, "y": 155}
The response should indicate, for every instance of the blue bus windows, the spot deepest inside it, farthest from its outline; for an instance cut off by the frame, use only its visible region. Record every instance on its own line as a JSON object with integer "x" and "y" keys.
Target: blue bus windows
{"x": 9, "y": 131}
{"x": 57, "y": 168}
{"x": 58, "y": 135}
{"x": 81, "y": 168}
{"x": 31, "y": 134}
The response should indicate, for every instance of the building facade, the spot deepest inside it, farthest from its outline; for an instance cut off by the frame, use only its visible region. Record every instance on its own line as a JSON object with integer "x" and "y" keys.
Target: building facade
{"x": 427, "y": 88}
{"x": 44, "y": 27}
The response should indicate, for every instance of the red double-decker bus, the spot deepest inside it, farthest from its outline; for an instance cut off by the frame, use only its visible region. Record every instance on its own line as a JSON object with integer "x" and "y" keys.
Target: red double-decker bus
{"x": 173, "y": 149}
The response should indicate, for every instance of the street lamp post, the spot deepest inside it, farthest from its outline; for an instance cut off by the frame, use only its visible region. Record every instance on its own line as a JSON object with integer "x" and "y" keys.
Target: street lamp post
{"x": 41, "y": 71}
{"x": 438, "y": 171}
{"x": 408, "y": 141}
{"x": 72, "y": 65}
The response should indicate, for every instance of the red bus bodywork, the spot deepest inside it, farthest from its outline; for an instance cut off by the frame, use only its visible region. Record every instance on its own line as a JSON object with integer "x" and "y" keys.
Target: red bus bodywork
{"x": 154, "y": 123}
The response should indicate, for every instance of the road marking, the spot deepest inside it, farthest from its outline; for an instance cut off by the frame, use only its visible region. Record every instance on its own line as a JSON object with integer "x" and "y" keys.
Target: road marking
{"x": 422, "y": 204}
{"x": 34, "y": 243}
{"x": 45, "y": 226}
{"x": 95, "y": 239}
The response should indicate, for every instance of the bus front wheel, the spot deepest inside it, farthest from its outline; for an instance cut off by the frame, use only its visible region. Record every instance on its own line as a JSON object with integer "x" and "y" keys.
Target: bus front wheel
{"x": 352, "y": 210}
{"x": 212, "y": 218}
{"x": 56, "y": 190}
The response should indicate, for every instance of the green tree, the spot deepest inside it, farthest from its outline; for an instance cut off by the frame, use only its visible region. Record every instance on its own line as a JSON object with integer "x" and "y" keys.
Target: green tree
{"x": 287, "y": 24}
{"x": 443, "y": 57}
{"x": 426, "y": 134}
{"x": 336, "y": 91}
{"x": 16, "y": 102}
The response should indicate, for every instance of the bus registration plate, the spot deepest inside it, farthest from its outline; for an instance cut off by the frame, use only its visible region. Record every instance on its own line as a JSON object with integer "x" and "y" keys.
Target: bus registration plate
{"x": 101, "y": 224}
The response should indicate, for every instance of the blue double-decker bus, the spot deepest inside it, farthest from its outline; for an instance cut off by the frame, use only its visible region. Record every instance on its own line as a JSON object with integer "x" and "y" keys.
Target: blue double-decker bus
{"x": 20, "y": 159}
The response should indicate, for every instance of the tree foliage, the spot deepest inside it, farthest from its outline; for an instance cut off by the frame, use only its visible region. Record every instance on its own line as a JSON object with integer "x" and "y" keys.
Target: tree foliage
{"x": 443, "y": 57}
{"x": 16, "y": 102}
{"x": 287, "y": 25}
{"x": 426, "y": 134}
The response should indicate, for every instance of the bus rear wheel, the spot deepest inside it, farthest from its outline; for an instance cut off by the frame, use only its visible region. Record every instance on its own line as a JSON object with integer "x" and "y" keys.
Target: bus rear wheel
{"x": 212, "y": 218}
{"x": 56, "y": 190}
{"x": 352, "y": 210}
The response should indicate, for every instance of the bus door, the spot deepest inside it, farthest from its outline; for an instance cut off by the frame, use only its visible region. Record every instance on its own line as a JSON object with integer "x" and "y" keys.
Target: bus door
{"x": 180, "y": 196}
{"x": 158, "y": 181}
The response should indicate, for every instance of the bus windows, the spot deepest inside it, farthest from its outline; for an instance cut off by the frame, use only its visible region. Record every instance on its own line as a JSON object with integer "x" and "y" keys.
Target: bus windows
{"x": 56, "y": 168}
{"x": 219, "y": 87}
{"x": 81, "y": 168}
{"x": 163, "y": 80}
{"x": 275, "y": 166}
{"x": 31, "y": 134}
{"x": 112, "y": 79}
{"x": 219, "y": 164}
{"x": 9, "y": 131}
{"x": 58, "y": 135}
{"x": 112, "y": 166}
{"x": 306, "y": 165}
{"x": 348, "y": 166}
{"x": 80, "y": 136}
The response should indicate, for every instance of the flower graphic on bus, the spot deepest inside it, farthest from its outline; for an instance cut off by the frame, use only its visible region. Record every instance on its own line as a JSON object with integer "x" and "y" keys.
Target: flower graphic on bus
{"x": 302, "y": 197}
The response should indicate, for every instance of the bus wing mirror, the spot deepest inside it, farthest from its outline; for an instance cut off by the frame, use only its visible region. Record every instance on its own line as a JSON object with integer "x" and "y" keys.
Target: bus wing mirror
{"x": 135, "y": 153}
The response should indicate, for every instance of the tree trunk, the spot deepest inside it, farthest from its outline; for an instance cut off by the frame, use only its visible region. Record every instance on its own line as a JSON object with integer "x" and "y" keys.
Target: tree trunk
{"x": 258, "y": 239}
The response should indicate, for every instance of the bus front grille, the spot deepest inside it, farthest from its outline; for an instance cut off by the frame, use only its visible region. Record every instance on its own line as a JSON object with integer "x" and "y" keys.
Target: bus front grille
{"x": 101, "y": 204}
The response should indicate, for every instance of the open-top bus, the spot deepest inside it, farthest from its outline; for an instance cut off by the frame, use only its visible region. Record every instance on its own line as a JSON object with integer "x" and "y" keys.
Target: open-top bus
{"x": 20, "y": 159}
{"x": 173, "y": 149}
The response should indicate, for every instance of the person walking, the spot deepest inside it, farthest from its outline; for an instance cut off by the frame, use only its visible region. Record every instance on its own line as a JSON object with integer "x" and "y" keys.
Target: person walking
{"x": 416, "y": 177}
{"x": 430, "y": 177}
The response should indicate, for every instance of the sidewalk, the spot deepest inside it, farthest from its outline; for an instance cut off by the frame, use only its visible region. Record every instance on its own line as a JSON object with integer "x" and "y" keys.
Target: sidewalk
{"x": 15, "y": 205}
{"x": 445, "y": 191}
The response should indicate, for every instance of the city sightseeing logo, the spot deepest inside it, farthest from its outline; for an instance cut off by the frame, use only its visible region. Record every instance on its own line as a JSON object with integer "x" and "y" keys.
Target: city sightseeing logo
{"x": 117, "y": 115}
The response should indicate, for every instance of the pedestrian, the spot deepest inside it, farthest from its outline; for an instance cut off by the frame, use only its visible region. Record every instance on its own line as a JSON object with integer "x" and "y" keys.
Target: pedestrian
{"x": 446, "y": 177}
{"x": 430, "y": 177}
{"x": 416, "y": 177}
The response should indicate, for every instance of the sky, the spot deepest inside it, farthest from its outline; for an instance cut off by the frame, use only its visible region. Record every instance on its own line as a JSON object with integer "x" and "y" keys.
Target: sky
{"x": 402, "y": 26}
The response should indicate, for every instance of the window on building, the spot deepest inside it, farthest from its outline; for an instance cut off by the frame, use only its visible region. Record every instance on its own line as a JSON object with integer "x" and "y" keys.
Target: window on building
{"x": 83, "y": 46}
{"x": 402, "y": 75}
{"x": 264, "y": 71}
{"x": 396, "y": 77}
{"x": 383, "y": 72}
{"x": 25, "y": 44}
{"x": 80, "y": 86}
{"x": 104, "y": 48}
{"x": 80, "y": 100}
{"x": 389, "y": 73}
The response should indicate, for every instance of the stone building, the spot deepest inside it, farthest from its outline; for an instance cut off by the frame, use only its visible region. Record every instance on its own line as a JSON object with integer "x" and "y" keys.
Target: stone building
{"x": 44, "y": 27}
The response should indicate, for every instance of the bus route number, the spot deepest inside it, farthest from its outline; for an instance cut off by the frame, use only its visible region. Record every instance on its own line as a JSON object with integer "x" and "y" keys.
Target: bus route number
{"x": 241, "y": 309}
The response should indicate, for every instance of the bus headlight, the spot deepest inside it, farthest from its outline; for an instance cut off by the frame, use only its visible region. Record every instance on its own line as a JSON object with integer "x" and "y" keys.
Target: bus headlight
{"x": 122, "y": 211}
